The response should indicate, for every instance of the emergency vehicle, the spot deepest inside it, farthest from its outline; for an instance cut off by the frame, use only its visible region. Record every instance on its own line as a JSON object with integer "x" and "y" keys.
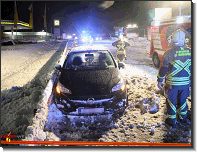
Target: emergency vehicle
{"x": 132, "y": 31}
{"x": 158, "y": 36}
{"x": 128, "y": 31}
{"x": 119, "y": 31}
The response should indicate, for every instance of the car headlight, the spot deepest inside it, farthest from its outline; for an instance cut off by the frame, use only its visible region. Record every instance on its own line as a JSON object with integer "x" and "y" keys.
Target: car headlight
{"x": 120, "y": 86}
{"x": 60, "y": 88}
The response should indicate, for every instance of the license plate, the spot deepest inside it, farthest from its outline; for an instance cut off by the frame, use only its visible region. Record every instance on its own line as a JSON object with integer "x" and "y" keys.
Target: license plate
{"x": 91, "y": 110}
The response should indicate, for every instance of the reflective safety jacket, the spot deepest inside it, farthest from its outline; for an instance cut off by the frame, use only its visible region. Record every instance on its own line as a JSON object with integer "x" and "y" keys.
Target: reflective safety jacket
{"x": 121, "y": 45}
{"x": 176, "y": 67}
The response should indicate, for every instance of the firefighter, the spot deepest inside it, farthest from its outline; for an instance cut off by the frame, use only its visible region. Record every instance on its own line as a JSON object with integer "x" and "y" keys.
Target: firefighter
{"x": 176, "y": 69}
{"x": 121, "y": 45}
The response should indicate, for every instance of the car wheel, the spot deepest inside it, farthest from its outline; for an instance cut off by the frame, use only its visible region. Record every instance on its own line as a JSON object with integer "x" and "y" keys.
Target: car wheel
{"x": 156, "y": 60}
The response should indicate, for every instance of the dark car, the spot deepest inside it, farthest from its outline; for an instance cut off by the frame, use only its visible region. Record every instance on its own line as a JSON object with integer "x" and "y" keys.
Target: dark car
{"x": 90, "y": 83}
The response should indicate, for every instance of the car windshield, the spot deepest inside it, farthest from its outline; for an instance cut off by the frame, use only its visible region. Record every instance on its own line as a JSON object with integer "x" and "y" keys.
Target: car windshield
{"x": 87, "y": 60}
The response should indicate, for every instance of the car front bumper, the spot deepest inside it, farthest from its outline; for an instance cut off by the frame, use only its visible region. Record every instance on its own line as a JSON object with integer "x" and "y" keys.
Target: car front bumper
{"x": 91, "y": 107}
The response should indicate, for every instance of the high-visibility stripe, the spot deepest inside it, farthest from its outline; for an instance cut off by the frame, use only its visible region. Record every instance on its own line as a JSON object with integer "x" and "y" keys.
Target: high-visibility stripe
{"x": 160, "y": 76}
{"x": 172, "y": 116}
{"x": 180, "y": 117}
{"x": 179, "y": 67}
{"x": 177, "y": 83}
{"x": 183, "y": 106}
{"x": 165, "y": 95}
{"x": 172, "y": 106}
{"x": 183, "y": 113}
{"x": 180, "y": 112}
{"x": 183, "y": 64}
{"x": 183, "y": 81}
{"x": 179, "y": 79}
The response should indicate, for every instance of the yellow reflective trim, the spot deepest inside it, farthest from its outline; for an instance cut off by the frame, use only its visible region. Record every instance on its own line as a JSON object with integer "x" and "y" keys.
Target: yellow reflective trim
{"x": 172, "y": 106}
{"x": 183, "y": 113}
{"x": 183, "y": 106}
{"x": 172, "y": 116}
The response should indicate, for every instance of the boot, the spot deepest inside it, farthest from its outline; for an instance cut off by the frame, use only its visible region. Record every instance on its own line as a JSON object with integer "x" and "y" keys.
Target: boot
{"x": 167, "y": 121}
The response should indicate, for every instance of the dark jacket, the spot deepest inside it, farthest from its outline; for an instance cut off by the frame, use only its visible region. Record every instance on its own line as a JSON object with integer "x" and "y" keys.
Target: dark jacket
{"x": 176, "y": 67}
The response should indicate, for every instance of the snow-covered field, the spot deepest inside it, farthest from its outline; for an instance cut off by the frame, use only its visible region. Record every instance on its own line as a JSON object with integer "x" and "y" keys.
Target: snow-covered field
{"x": 20, "y": 63}
{"x": 23, "y": 85}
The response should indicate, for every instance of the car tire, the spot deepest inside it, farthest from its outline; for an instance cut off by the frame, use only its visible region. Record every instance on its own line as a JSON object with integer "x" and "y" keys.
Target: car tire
{"x": 156, "y": 60}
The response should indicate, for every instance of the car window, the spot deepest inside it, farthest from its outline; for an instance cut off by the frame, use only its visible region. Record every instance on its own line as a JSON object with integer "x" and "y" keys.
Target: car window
{"x": 89, "y": 60}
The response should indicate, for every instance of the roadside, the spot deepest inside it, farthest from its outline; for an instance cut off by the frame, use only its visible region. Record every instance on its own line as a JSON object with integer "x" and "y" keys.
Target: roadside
{"x": 20, "y": 101}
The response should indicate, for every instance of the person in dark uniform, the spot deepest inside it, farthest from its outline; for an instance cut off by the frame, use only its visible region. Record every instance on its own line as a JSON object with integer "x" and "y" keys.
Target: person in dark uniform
{"x": 176, "y": 70}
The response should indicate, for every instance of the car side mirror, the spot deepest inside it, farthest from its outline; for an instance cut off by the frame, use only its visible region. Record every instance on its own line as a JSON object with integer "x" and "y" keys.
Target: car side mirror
{"x": 120, "y": 65}
{"x": 58, "y": 67}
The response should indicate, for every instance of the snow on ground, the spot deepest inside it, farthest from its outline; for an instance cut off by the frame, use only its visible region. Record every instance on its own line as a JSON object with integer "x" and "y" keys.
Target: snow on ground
{"x": 132, "y": 70}
{"x": 137, "y": 124}
{"x": 143, "y": 120}
{"x": 16, "y": 58}
{"x": 138, "y": 62}
{"x": 19, "y": 104}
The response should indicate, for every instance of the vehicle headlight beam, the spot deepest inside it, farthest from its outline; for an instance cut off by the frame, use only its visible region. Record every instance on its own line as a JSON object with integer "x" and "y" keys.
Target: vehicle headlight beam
{"x": 60, "y": 88}
{"x": 120, "y": 86}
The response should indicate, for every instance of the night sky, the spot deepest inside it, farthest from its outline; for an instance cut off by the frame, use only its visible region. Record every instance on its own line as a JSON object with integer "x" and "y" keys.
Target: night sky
{"x": 81, "y": 15}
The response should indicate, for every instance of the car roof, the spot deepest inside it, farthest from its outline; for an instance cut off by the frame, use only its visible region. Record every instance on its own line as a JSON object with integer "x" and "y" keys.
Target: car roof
{"x": 85, "y": 48}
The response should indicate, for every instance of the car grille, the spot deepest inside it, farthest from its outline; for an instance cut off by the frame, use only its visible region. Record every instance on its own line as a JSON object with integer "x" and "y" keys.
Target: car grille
{"x": 96, "y": 97}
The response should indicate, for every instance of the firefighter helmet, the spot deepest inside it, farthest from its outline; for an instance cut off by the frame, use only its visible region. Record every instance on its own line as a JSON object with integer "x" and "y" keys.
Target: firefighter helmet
{"x": 178, "y": 38}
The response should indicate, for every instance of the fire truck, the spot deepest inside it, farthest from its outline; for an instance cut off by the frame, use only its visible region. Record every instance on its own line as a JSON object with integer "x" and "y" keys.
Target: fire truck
{"x": 158, "y": 35}
{"x": 130, "y": 31}
{"x": 119, "y": 31}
